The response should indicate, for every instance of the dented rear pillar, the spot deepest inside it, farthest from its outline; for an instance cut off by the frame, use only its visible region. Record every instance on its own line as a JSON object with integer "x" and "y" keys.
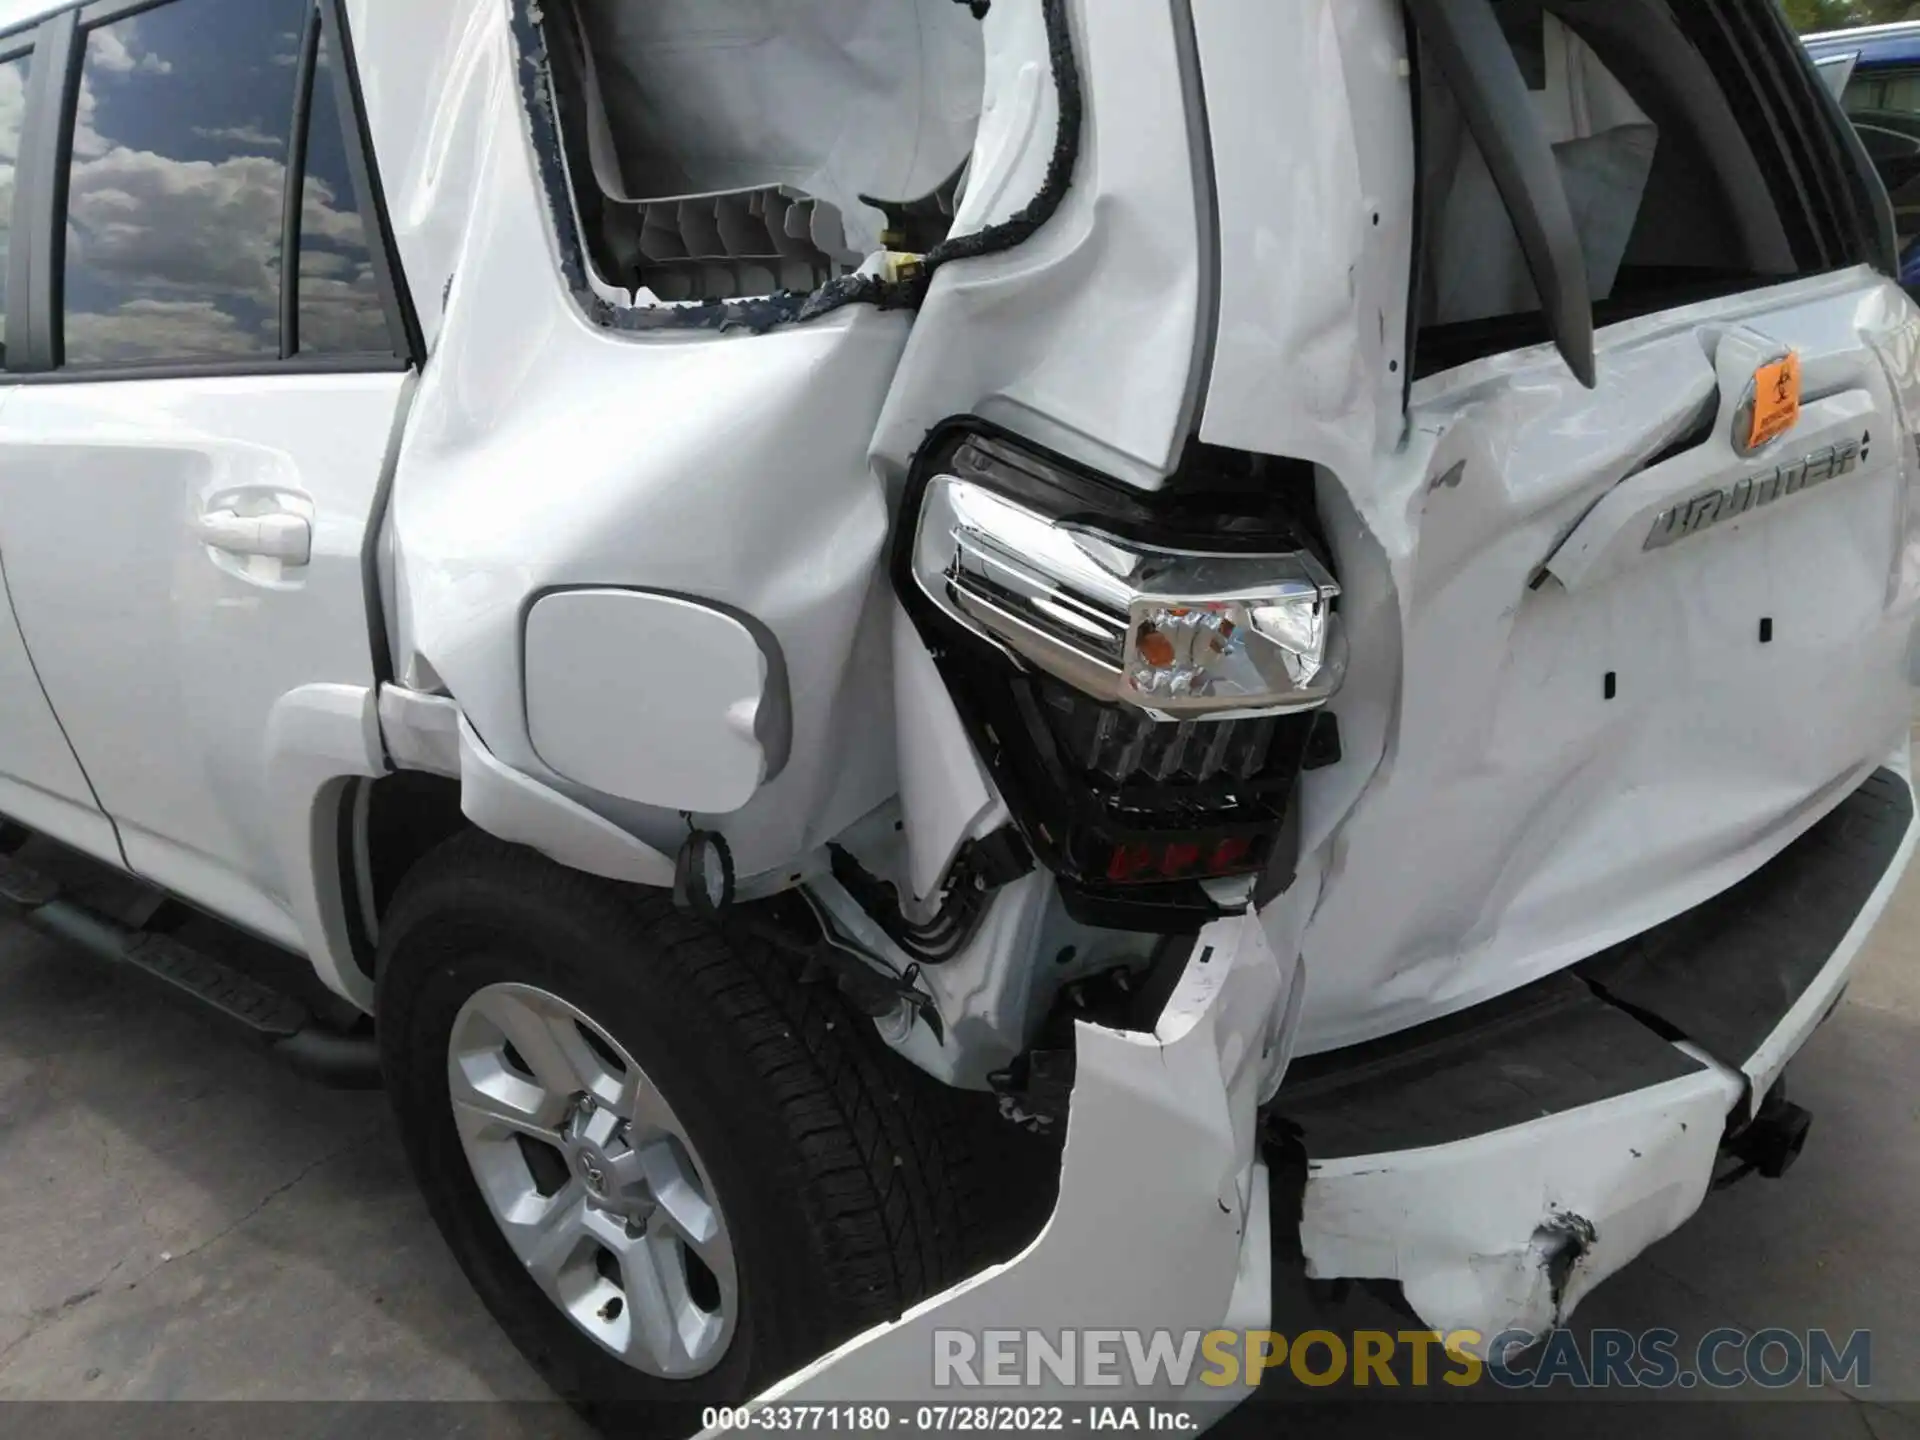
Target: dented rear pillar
{"x": 1090, "y": 335}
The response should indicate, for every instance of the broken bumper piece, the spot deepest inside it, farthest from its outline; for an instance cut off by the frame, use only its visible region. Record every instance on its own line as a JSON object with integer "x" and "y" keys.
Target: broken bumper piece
{"x": 1501, "y": 1163}
{"x": 1162, "y": 1217}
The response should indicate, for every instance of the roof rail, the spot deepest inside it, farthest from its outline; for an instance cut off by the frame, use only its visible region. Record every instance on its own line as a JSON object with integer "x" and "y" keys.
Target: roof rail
{"x": 1865, "y": 32}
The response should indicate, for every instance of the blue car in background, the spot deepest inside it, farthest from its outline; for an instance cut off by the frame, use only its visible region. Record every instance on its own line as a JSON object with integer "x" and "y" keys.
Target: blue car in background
{"x": 1875, "y": 72}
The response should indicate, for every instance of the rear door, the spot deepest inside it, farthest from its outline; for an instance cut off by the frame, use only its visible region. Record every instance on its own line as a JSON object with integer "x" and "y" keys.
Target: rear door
{"x": 204, "y": 392}
{"x": 41, "y": 784}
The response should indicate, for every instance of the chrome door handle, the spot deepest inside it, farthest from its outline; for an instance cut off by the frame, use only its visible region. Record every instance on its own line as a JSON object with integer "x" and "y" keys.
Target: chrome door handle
{"x": 278, "y": 537}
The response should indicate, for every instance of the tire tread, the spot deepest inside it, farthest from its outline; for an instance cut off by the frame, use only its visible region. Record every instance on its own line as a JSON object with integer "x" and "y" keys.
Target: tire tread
{"x": 888, "y": 1158}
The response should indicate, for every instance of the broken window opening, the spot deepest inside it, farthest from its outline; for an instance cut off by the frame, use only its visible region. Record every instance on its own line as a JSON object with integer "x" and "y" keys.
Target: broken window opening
{"x": 717, "y": 150}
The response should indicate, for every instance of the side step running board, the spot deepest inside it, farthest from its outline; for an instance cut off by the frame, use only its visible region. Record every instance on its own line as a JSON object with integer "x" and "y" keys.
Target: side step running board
{"x": 270, "y": 1017}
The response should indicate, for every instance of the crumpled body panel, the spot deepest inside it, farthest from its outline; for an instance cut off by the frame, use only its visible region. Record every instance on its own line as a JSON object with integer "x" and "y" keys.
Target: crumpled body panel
{"x": 1179, "y": 1245}
{"x": 1525, "y": 1156}
{"x": 739, "y": 469}
{"x": 1512, "y": 1229}
{"x": 1537, "y": 763}
{"x": 544, "y": 453}
{"x": 1566, "y": 766}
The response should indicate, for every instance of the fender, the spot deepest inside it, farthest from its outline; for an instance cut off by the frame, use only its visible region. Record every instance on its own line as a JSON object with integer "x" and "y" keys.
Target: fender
{"x": 516, "y": 807}
{"x": 321, "y": 736}
{"x": 318, "y": 738}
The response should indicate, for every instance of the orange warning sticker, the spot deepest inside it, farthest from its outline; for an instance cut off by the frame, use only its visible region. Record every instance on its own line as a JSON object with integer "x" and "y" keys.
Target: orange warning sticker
{"x": 1776, "y": 400}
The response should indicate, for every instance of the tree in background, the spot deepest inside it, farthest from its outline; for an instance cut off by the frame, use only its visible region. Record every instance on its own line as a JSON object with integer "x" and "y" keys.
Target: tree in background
{"x": 1808, "y": 15}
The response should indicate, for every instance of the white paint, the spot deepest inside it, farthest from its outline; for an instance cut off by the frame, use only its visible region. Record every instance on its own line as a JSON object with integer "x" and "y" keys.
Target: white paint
{"x": 1612, "y": 537}
{"x": 1465, "y": 1226}
{"x": 1086, "y": 337}
{"x": 1459, "y": 1225}
{"x": 648, "y": 697}
{"x": 1493, "y": 817}
{"x": 1019, "y": 118}
{"x": 1526, "y": 820}
{"x": 503, "y": 802}
{"x": 989, "y": 1003}
{"x": 41, "y": 783}
{"x": 421, "y": 732}
{"x": 165, "y": 658}
{"x": 316, "y": 737}
{"x": 946, "y": 796}
{"x": 1171, "y": 1242}
{"x": 544, "y": 453}
{"x": 432, "y": 78}
{"x": 1314, "y": 165}
{"x": 1235, "y": 971}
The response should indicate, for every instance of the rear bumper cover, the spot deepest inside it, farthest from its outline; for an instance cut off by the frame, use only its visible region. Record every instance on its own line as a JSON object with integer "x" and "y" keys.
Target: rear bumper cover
{"x": 1162, "y": 1218}
{"x": 1499, "y": 1164}
{"x": 1503, "y": 1162}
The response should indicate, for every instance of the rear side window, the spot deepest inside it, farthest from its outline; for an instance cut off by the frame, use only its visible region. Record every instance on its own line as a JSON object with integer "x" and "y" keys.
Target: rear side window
{"x": 339, "y": 310}
{"x": 194, "y": 191}
{"x": 1691, "y": 149}
{"x": 174, "y": 193}
{"x": 13, "y": 108}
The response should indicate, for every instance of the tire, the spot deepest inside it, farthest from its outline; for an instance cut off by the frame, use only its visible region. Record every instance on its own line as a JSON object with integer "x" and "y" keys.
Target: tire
{"x": 844, "y": 1176}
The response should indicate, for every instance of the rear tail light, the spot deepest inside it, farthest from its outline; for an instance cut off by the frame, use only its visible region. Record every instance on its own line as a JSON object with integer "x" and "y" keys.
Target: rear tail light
{"x": 1174, "y": 633}
{"x": 1144, "y": 684}
{"x": 1136, "y": 862}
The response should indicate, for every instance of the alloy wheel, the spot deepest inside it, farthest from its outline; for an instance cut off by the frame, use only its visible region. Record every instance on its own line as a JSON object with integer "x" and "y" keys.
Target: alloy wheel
{"x": 593, "y": 1180}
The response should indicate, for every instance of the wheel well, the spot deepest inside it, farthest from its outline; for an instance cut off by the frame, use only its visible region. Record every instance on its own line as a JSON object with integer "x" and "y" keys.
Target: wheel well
{"x": 386, "y": 826}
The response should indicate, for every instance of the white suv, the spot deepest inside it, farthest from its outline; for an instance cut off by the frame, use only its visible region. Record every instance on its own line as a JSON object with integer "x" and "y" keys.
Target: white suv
{"x": 790, "y": 603}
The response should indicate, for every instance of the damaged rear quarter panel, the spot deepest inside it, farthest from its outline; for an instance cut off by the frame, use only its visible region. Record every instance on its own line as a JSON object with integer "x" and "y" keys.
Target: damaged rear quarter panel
{"x": 1089, "y": 336}
{"x": 544, "y": 452}
{"x": 549, "y": 451}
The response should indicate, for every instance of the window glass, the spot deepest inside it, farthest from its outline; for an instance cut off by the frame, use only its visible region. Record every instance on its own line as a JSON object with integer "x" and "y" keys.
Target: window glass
{"x": 13, "y": 109}
{"x": 1671, "y": 204}
{"x": 340, "y": 310}
{"x": 1864, "y": 92}
{"x": 176, "y": 188}
{"x": 1885, "y": 106}
{"x": 1606, "y": 146}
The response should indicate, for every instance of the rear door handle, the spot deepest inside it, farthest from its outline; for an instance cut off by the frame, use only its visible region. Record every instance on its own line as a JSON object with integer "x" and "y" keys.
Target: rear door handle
{"x": 278, "y": 537}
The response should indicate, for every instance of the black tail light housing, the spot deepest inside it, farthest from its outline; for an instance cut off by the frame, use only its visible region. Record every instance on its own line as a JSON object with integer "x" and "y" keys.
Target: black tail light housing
{"x": 1130, "y": 806}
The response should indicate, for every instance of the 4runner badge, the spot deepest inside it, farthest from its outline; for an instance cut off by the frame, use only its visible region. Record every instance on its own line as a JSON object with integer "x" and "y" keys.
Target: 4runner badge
{"x": 1711, "y": 507}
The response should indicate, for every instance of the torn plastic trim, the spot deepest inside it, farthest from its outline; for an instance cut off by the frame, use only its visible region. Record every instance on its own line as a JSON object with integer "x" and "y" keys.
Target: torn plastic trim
{"x": 1509, "y": 1228}
{"x": 759, "y": 314}
{"x": 1166, "y": 1120}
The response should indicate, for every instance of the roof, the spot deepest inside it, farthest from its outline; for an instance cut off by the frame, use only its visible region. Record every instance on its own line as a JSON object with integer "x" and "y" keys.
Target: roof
{"x": 15, "y": 13}
{"x": 1876, "y": 45}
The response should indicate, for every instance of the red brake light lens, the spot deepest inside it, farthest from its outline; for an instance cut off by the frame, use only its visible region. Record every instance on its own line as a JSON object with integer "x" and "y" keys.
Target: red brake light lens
{"x": 1140, "y": 864}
